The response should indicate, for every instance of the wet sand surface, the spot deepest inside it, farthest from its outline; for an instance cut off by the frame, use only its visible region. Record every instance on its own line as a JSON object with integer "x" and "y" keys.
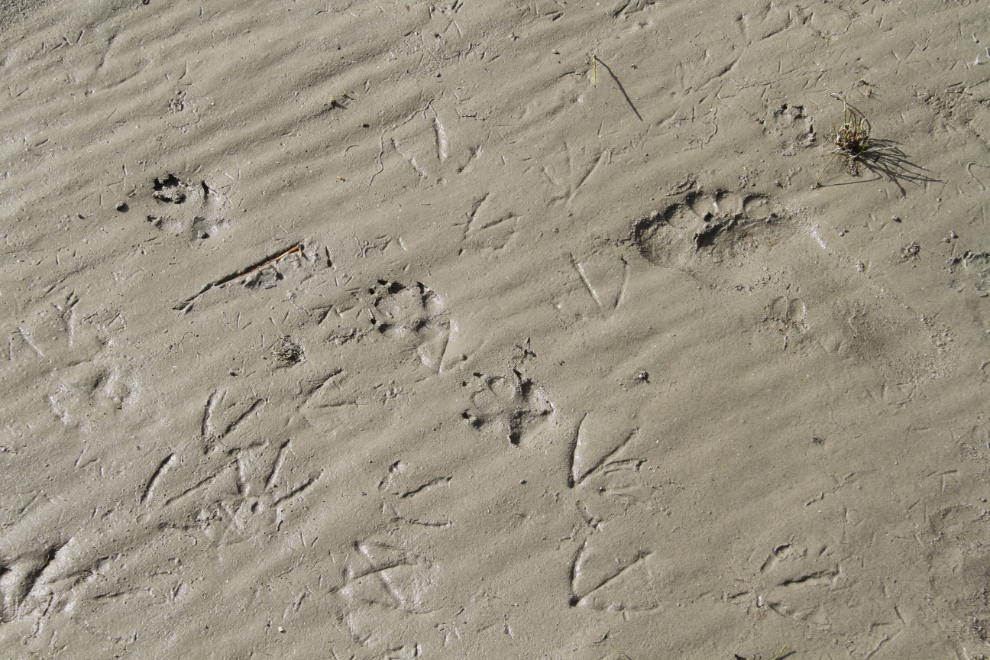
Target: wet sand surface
{"x": 455, "y": 329}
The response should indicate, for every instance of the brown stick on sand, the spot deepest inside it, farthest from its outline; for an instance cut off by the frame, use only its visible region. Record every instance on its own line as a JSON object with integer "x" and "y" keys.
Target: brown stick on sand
{"x": 268, "y": 261}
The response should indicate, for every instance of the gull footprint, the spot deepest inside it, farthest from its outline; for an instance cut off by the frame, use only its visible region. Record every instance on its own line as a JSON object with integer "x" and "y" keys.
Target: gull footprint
{"x": 247, "y": 497}
{"x": 54, "y": 329}
{"x": 406, "y": 491}
{"x": 797, "y": 581}
{"x": 385, "y": 585}
{"x": 387, "y": 575}
{"x": 610, "y": 574}
{"x": 18, "y": 579}
{"x": 607, "y": 572}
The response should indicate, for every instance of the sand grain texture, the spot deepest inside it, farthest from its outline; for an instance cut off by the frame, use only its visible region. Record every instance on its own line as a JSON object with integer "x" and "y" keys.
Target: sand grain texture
{"x": 571, "y": 357}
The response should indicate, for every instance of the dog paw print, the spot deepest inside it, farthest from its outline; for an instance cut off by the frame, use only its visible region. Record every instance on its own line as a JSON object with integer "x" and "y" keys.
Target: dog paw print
{"x": 512, "y": 406}
{"x": 792, "y": 128}
{"x": 179, "y": 208}
{"x": 971, "y": 272}
{"x": 411, "y": 315}
{"x": 87, "y": 392}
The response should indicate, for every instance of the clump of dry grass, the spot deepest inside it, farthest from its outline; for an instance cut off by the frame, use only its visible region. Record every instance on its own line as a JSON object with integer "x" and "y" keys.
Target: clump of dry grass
{"x": 852, "y": 140}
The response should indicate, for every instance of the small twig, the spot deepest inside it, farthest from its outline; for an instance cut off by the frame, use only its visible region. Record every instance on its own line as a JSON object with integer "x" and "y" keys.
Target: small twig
{"x": 230, "y": 278}
{"x": 619, "y": 84}
{"x": 295, "y": 249}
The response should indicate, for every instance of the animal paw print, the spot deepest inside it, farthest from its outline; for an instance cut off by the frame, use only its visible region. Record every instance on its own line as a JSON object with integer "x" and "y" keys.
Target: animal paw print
{"x": 511, "y": 406}
{"x": 793, "y": 129}
{"x": 86, "y": 392}
{"x": 719, "y": 238}
{"x": 179, "y": 208}
{"x": 788, "y": 317}
{"x": 413, "y": 315}
{"x": 971, "y": 271}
